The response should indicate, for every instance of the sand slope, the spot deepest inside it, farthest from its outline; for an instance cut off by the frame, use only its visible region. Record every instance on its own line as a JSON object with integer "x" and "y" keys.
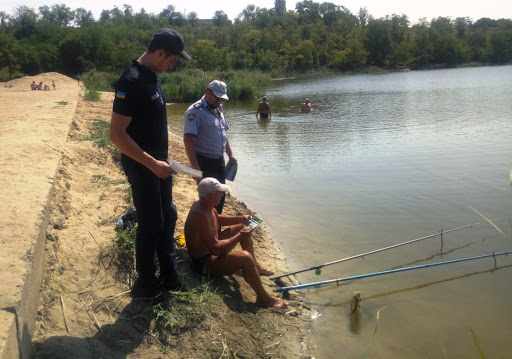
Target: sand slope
{"x": 57, "y": 185}
{"x": 33, "y": 132}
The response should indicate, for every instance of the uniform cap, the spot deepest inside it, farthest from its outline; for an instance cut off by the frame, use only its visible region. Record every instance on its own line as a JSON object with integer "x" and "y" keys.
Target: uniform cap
{"x": 219, "y": 89}
{"x": 210, "y": 185}
{"x": 171, "y": 41}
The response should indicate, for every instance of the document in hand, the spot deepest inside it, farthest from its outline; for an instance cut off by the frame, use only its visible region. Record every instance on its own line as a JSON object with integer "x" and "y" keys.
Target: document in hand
{"x": 231, "y": 169}
{"x": 254, "y": 222}
{"x": 181, "y": 168}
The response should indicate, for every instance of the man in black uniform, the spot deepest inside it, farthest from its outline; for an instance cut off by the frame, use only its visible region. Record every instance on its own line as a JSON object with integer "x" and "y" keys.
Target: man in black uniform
{"x": 139, "y": 128}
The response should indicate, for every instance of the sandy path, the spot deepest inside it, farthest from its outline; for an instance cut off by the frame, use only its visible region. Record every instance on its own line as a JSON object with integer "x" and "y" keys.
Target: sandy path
{"x": 33, "y": 131}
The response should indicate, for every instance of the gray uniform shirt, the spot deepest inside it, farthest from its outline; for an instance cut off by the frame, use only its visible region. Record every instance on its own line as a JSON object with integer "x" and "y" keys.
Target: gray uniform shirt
{"x": 210, "y": 129}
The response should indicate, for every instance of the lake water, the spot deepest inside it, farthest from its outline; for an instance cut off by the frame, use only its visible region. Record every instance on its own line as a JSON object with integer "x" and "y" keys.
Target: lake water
{"x": 384, "y": 159}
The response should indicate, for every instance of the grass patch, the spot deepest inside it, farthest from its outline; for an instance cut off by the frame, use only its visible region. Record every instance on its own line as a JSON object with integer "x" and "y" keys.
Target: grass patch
{"x": 107, "y": 181}
{"x": 92, "y": 95}
{"x": 62, "y": 103}
{"x": 100, "y": 135}
{"x": 107, "y": 220}
{"x": 187, "y": 309}
{"x": 100, "y": 178}
{"x": 122, "y": 255}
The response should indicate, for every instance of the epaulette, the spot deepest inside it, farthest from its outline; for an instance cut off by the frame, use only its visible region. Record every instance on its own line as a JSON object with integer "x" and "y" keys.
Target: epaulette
{"x": 198, "y": 105}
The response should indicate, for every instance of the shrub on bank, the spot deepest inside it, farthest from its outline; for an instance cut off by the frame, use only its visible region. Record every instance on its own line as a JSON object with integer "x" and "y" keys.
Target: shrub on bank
{"x": 189, "y": 85}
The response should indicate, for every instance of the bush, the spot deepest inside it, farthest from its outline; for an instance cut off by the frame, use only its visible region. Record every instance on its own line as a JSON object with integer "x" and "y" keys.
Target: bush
{"x": 100, "y": 81}
{"x": 187, "y": 85}
{"x": 190, "y": 85}
{"x": 92, "y": 95}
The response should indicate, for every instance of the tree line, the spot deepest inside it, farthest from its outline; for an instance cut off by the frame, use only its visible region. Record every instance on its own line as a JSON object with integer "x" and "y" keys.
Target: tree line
{"x": 278, "y": 41}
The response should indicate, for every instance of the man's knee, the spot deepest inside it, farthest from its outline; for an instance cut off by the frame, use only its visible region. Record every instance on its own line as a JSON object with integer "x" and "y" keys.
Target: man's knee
{"x": 246, "y": 258}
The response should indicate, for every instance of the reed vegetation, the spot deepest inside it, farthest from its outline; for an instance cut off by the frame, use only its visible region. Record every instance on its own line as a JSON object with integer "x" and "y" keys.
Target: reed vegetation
{"x": 188, "y": 85}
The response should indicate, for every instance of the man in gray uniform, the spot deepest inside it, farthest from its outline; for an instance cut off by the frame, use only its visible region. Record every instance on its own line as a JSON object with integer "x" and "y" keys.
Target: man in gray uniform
{"x": 205, "y": 136}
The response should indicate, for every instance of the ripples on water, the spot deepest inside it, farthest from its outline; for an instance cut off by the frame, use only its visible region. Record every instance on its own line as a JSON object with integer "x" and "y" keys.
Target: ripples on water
{"x": 381, "y": 160}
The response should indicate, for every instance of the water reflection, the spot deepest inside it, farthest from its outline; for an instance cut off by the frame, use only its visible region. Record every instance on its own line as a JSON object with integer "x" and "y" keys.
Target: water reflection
{"x": 263, "y": 123}
{"x": 355, "y": 322}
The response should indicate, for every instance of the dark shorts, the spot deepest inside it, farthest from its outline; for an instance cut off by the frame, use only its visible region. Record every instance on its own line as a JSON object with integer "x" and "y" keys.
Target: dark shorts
{"x": 263, "y": 115}
{"x": 198, "y": 264}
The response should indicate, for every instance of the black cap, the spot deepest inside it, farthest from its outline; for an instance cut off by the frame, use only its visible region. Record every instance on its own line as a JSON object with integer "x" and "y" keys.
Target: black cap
{"x": 169, "y": 40}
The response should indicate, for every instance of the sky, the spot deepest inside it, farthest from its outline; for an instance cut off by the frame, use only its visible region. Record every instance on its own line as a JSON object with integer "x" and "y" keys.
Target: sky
{"x": 205, "y": 9}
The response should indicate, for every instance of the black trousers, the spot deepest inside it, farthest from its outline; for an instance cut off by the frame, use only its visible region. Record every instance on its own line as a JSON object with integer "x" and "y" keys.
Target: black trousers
{"x": 156, "y": 217}
{"x": 215, "y": 168}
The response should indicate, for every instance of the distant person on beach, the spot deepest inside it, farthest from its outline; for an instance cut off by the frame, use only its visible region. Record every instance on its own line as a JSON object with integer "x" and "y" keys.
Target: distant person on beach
{"x": 264, "y": 109}
{"x": 204, "y": 134}
{"x": 139, "y": 128}
{"x": 53, "y": 85}
{"x": 33, "y": 86}
{"x": 212, "y": 252}
{"x": 40, "y": 86}
{"x": 306, "y": 107}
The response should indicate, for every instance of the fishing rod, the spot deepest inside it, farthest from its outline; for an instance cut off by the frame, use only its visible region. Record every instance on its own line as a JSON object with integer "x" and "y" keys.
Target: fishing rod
{"x": 316, "y": 284}
{"x": 319, "y": 266}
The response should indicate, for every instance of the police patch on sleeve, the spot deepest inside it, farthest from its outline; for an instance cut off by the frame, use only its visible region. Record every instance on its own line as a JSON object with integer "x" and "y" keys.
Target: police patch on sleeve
{"x": 191, "y": 116}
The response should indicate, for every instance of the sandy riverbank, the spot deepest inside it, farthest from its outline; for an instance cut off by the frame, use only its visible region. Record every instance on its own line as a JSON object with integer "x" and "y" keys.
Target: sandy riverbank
{"x": 83, "y": 311}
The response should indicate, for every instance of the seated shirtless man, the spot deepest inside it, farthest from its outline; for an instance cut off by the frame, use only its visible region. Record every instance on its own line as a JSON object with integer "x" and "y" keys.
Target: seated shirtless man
{"x": 212, "y": 252}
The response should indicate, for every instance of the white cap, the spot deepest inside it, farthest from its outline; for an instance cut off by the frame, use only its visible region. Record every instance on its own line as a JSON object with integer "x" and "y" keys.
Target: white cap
{"x": 219, "y": 89}
{"x": 210, "y": 185}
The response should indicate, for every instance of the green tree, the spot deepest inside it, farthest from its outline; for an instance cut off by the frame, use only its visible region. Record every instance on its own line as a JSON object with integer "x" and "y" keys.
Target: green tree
{"x": 499, "y": 47}
{"x": 352, "y": 56}
{"x": 280, "y": 7}
{"x": 3, "y": 18}
{"x": 24, "y": 21}
{"x": 64, "y": 15}
{"x": 363, "y": 16}
{"x": 83, "y": 17}
{"x": 206, "y": 55}
{"x": 378, "y": 42}
{"x": 192, "y": 18}
{"x": 84, "y": 50}
{"x": 220, "y": 18}
{"x": 447, "y": 48}
{"x": 308, "y": 10}
{"x": 7, "y": 53}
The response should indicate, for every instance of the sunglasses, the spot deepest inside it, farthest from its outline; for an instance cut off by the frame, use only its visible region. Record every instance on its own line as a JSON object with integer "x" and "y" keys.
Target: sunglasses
{"x": 216, "y": 98}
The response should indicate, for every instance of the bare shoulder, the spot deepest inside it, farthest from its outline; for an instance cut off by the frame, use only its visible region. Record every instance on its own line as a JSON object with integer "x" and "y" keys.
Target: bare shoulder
{"x": 196, "y": 212}
{"x": 200, "y": 218}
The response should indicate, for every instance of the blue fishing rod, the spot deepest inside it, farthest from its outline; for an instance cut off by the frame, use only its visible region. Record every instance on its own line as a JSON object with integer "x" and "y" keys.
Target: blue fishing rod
{"x": 316, "y": 284}
{"x": 318, "y": 267}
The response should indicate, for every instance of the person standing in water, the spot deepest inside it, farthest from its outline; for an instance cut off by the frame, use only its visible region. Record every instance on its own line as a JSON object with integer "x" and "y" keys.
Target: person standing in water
{"x": 306, "y": 107}
{"x": 264, "y": 109}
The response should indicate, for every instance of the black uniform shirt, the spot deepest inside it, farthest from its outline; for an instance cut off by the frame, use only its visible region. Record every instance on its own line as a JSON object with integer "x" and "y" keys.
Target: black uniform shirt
{"x": 139, "y": 96}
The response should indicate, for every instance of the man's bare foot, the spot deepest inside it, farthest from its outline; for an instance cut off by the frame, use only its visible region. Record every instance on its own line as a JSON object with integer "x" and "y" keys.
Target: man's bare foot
{"x": 265, "y": 271}
{"x": 272, "y": 302}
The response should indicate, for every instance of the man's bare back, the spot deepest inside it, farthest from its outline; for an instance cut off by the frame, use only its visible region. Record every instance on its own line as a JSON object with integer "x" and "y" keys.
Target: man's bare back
{"x": 200, "y": 226}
